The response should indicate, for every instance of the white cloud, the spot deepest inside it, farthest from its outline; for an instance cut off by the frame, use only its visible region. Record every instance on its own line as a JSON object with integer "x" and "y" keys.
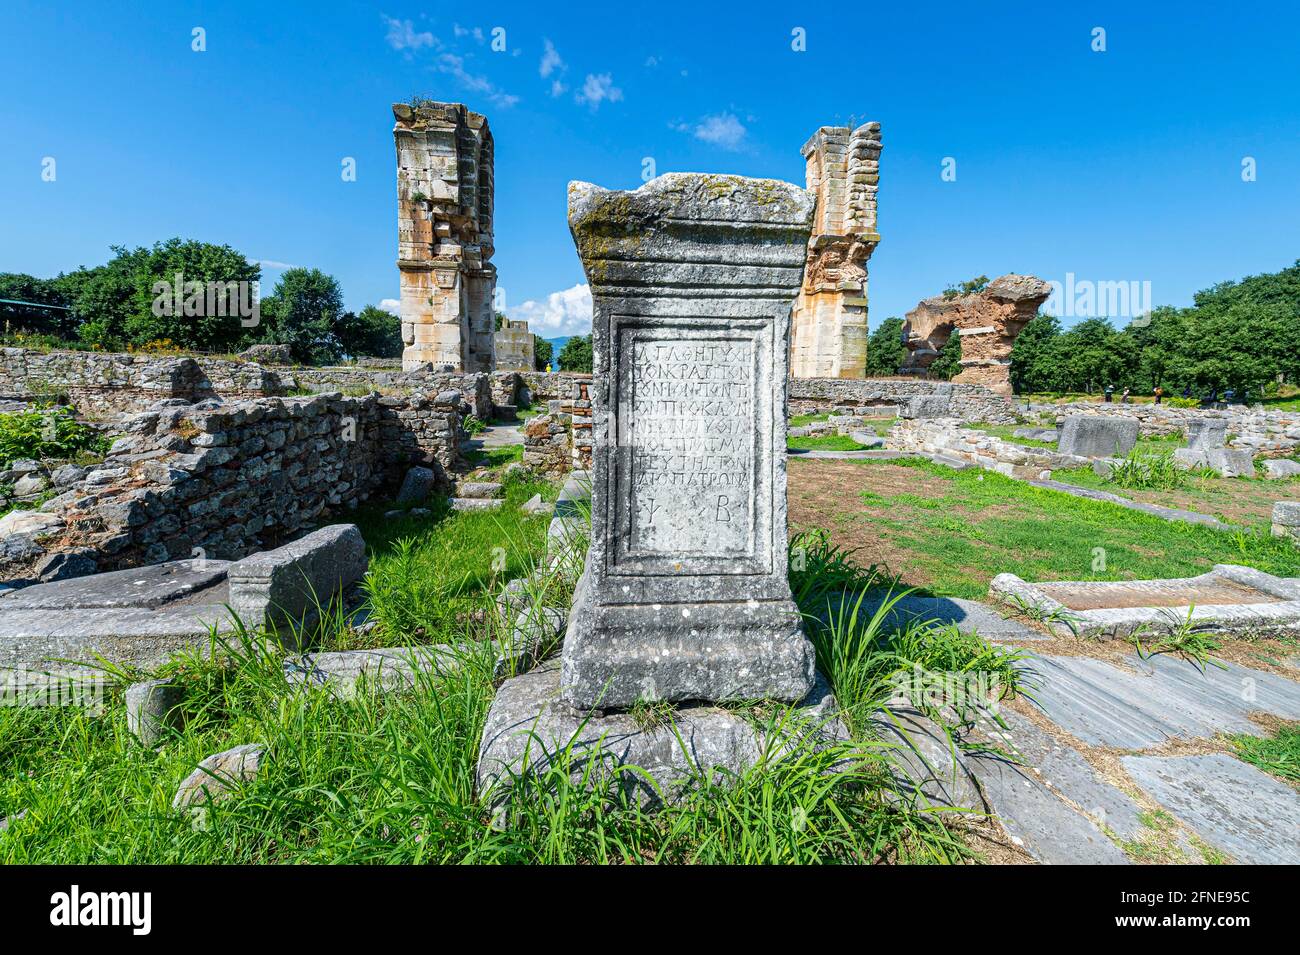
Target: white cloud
{"x": 557, "y": 88}
{"x": 652, "y": 61}
{"x": 598, "y": 88}
{"x": 723, "y": 130}
{"x": 563, "y": 313}
{"x": 391, "y": 305}
{"x": 273, "y": 264}
{"x": 454, "y": 65}
{"x": 551, "y": 60}
{"x": 402, "y": 35}
{"x": 460, "y": 31}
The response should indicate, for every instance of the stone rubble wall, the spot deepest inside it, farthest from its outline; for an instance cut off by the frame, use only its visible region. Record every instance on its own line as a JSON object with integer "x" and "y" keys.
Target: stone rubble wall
{"x": 476, "y": 389}
{"x": 852, "y": 395}
{"x": 102, "y": 383}
{"x": 945, "y": 436}
{"x": 561, "y": 440}
{"x": 222, "y": 480}
{"x": 1263, "y": 432}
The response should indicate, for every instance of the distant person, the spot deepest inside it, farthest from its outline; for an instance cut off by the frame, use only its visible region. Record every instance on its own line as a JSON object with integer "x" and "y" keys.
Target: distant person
{"x": 1229, "y": 396}
{"x": 1187, "y": 392}
{"x": 1124, "y": 397}
{"x": 1158, "y": 392}
{"x": 1109, "y": 394}
{"x": 548, "y": 367}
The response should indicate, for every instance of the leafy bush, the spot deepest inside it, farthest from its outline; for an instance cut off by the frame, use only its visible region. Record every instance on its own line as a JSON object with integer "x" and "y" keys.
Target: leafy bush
{"x": 48, "y": 433}
{"x": 473, "y": 425}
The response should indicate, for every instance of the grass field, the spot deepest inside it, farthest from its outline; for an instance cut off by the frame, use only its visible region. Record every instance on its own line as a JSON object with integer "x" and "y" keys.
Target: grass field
{"x": 952, "y": 531}
{"x": 390, "y": 778}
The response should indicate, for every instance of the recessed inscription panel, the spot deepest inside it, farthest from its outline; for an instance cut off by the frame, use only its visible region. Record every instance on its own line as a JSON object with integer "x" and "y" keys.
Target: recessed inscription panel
{"x": 689, "y": 419}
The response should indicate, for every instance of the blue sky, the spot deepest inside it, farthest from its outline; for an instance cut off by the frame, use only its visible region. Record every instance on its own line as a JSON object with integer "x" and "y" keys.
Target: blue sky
{"x": 1122, "y": 165}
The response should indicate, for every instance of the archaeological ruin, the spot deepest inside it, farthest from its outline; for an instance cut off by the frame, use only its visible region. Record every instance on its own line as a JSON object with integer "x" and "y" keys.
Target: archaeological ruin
{"x": 828, "y": 334}
{"x": 445, "y": 245}
{"x": 988, "y": 322}
{"x": 513, "y": 347}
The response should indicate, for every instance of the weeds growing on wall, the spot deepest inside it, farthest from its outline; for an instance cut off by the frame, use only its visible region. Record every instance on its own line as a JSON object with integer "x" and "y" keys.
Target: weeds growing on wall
{"x": 52, "y": 432}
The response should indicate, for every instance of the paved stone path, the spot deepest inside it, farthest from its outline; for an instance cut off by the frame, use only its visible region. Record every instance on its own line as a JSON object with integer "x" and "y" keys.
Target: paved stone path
{"x": 1056, "y": 804}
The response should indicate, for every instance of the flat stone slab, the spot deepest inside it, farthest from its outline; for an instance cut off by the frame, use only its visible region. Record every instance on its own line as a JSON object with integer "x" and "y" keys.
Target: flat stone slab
{"x": 149, "y": 587}
{"x": 869, "y": 455}
{"x": 1155, "y": 510}
{"x": 1061, "y": 769}
{"x": 35, "y": 639}
{"x": 479, "y": 489}
{"x": 969, "y": 616}
{"x": 529, "y": 725}
{"x": 1037, "y": 819}
{"x": 1160, "y": 699}
{"x": 1177, "y": 592}
{"x": 1229, "y": 599}
{"x": 1097, "y": 436}
{"x": 477, "y": 503}
{"x": 1233, "y": 806}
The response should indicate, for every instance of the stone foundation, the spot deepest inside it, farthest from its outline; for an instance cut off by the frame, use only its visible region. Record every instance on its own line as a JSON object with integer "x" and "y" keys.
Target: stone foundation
{"x": 102, "y": 384}
{"x": 965, "y": 402}
{"x": 946, "y": 438}
{"x": 223, "y": 480}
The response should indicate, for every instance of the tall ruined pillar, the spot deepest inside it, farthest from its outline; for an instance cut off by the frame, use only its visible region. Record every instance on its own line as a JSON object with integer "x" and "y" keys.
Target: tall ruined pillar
{"x": 444, "y": 244}
{"x": 829, "y": 324}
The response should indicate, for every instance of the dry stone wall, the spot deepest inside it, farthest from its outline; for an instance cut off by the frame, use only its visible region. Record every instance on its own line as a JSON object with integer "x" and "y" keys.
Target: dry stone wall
{"x": 561, "y": 440}
{"x": 101, "y": 383}
{"x": 964, "y": 402}
{"x": 946, "y": 437}
{"x": 220, "y": 481}
{"x": 1263, "y": 432}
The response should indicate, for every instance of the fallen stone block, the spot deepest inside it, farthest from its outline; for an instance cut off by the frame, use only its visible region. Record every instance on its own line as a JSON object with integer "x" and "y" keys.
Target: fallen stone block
{"x": 1280, "y": 469}
{"x": 153, "y": 586}
{"x": 1206, "y": 433}
{"x": 535, "y": 505}
{"x": 1095, "y": 436}
{"x": 416, "y": 486}
{"x": 1286, "y": 520}
{"x": 868, "y": 439}
{"x": 479, "y": 489}
{"x": 151, "y": 710}
{"x": 929, "y": 406}
{"x": 291, "y": 584}
{"x": 217, "y": 776}
{"x": 926, "y": 765}
{"x": 476, "y": 503}
{"x": 1226, "y": 462}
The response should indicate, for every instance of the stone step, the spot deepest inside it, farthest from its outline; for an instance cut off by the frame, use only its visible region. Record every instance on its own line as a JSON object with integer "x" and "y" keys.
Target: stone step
{"x": 505, "y": 412}
{"x": 476, "y": 503}
{"x": 479, "y": 489}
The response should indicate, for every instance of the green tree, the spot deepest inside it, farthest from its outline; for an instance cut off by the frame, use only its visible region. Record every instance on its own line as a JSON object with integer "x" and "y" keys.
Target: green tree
{"x": 19, "y": 287}
{"x": 885, "y": 349}
{"x": 1034, "y": 356}
{"x": 948, "y": 364}
{"x": 542, "y": 353}
{"x": 303, "y": 313}
{"x": 576, "y": 355}
{"x": 978, "y": 284}
{"x": 372, "y": 332}
{"x": 132, "y": 299}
